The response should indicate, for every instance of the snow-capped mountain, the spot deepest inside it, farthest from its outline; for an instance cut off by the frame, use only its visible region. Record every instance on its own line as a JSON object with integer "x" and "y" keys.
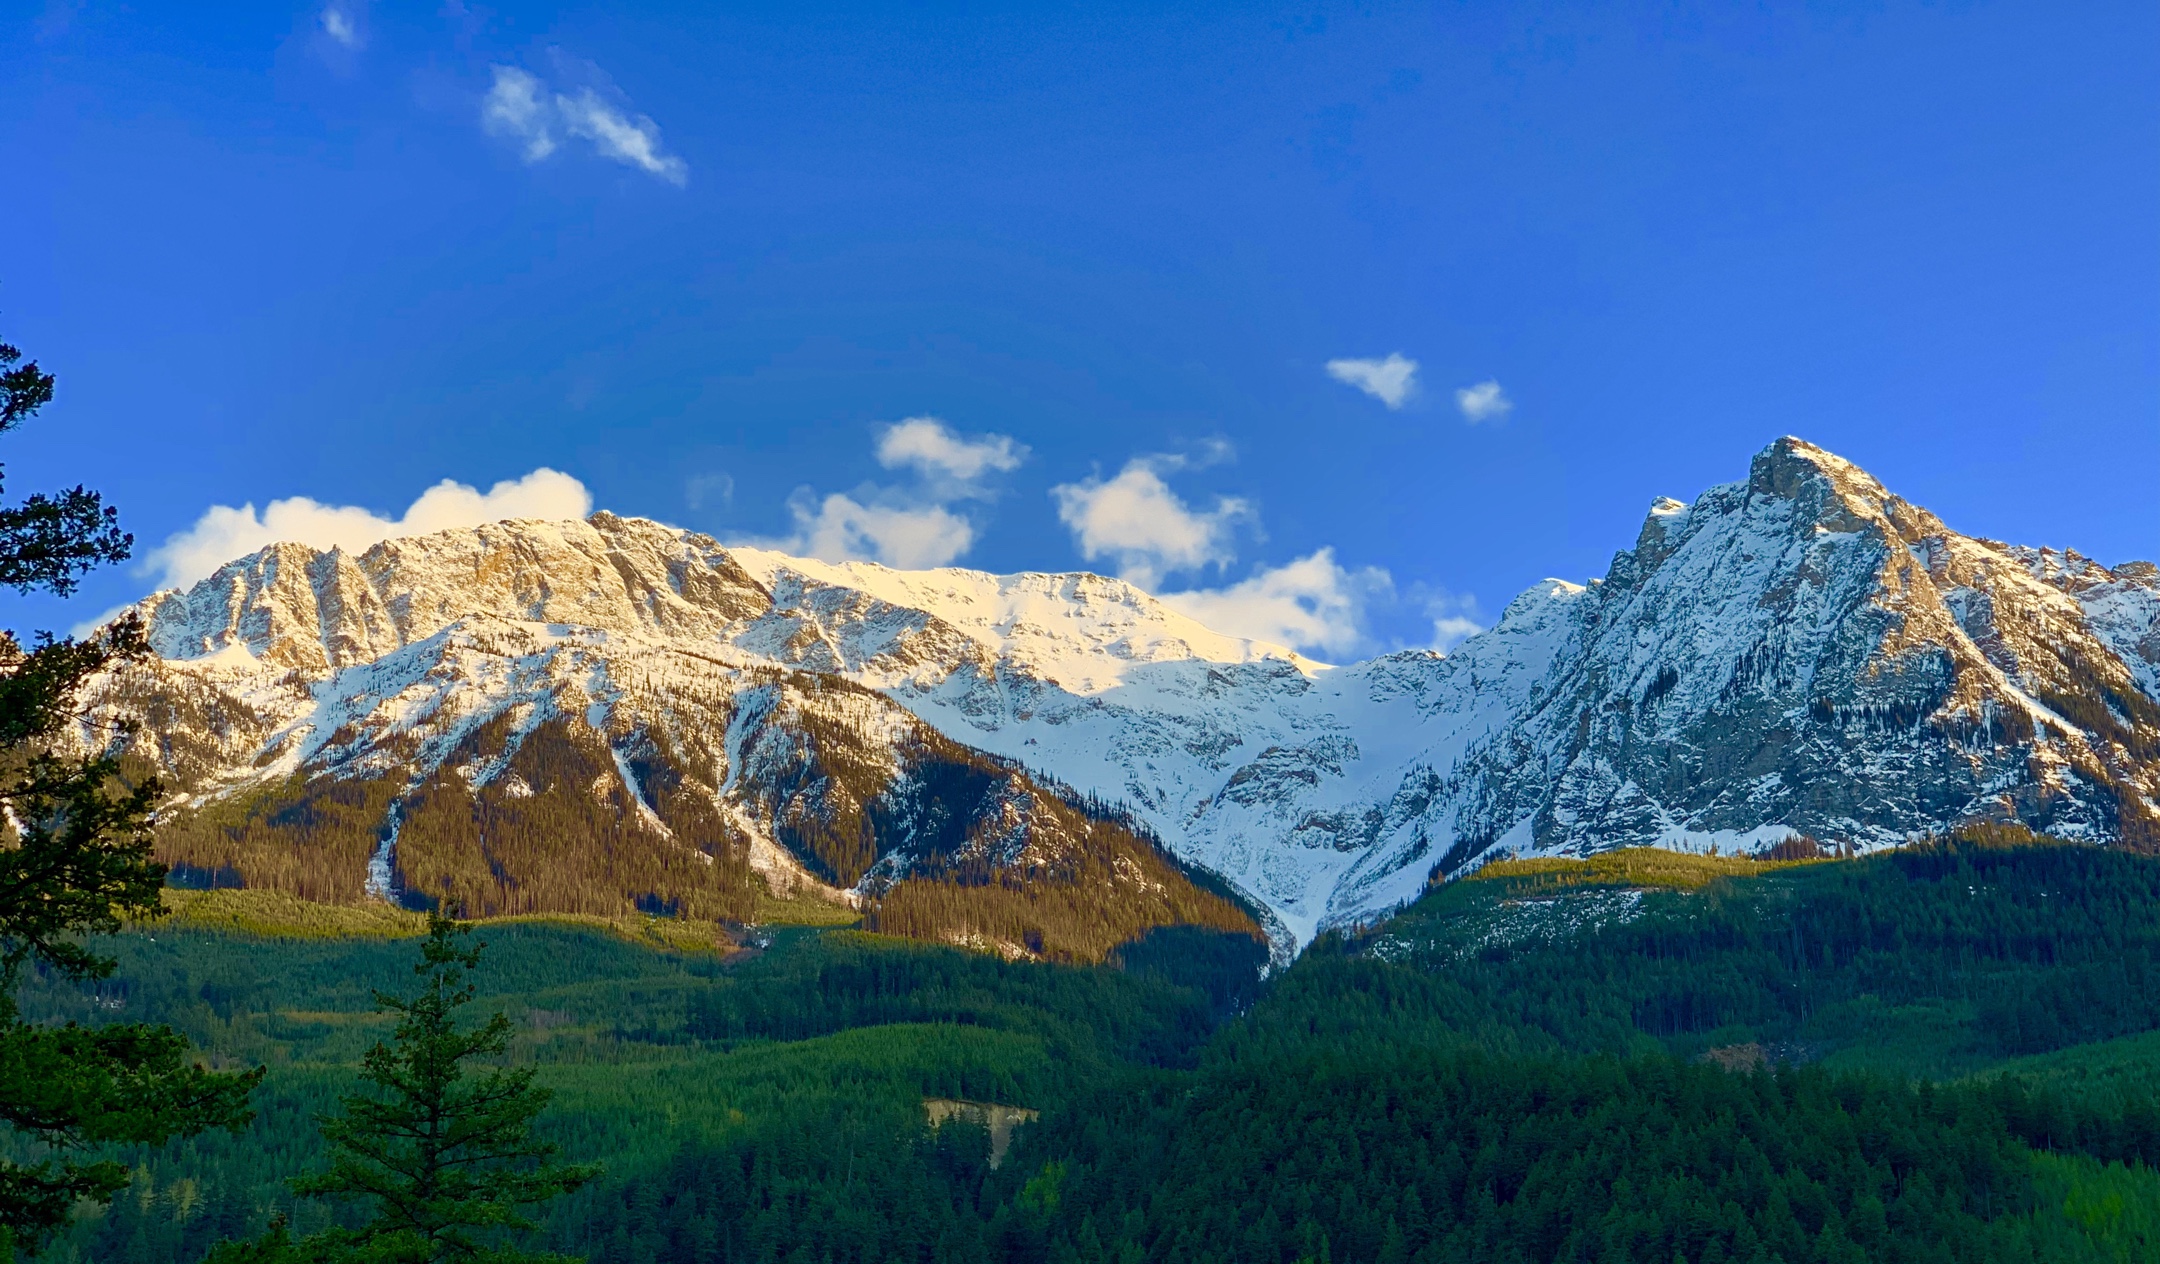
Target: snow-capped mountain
{"x": 1798, "y": 653}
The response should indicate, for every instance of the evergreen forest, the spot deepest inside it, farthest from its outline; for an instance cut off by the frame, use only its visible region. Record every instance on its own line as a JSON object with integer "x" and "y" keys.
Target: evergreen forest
{"x": 1948, "y": 1052}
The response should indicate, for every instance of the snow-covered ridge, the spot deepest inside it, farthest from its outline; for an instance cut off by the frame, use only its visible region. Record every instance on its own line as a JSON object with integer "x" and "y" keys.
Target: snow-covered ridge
{"x": 1080, "y": 630}
{"x": 1801, "y": 651}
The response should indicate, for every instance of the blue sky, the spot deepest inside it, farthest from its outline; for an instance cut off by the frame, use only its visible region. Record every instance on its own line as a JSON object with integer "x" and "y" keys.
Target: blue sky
{"x": 709, "y": 263}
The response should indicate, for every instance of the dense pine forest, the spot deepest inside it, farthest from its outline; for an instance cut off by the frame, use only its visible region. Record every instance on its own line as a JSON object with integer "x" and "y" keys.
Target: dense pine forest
{"x": 1949, "y": 1052}
{"x": 1079, "y": 879}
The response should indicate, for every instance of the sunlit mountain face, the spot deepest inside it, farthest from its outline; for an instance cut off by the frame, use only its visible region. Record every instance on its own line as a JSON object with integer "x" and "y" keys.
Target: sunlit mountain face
{"x": 591, "y": 715}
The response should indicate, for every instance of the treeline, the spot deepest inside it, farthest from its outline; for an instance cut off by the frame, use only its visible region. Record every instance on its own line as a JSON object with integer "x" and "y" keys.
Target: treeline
{"x": 1376, "y": 1153}
{"x": 558, "y": 831}
{"x": 2039, "y": 946}
{"x": 1446, "y": 1087}
{"x": 1364, "y": 1149}
{"x": 562, "y": 823}
{"x": 1497, "y": 1099}
{"x": 308, "y": 838}
{"x": 811, "y": 1058}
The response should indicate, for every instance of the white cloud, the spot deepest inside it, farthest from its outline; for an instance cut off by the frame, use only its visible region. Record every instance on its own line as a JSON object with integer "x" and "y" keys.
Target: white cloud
{"x": 909, "y": 527}
{"x": 516, "y": 108}
{"x": 338, "y": 25}
{"x": 1483, "y": 402}
{"x": 1391, "y": 381}
{"x": 929, "y": 446}
{"x": 1312, "y": 604}
{"x": 82, "y": 630}
{"x": 840, "y": 528}
{"x": 224, "y": 533}
{"x": 1452, "y": 630}
{"x": 1143, "y": 527}
{"x": 614, "y": 134}
{"x": 523, "y": 108}
{"x": 1454, "y": 618}
{"x": 1316, "y": 605}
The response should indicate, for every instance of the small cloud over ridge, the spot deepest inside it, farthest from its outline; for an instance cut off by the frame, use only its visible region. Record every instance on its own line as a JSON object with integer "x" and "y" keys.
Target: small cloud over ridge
{"x": 224, "y": 533}
{"x": 931, "y": 447}
{"x": 1312, "y": 604}
{"x": 841, "y": 528}
{"x": 1144, "y": 528}
{"x": 913, "y": 525}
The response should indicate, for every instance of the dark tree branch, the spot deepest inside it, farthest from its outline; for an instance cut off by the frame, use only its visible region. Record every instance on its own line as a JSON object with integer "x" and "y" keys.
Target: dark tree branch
{"x": 75, "y": 859}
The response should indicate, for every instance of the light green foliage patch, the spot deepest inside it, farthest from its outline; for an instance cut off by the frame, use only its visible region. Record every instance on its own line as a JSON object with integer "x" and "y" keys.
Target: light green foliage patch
{"x": 1648, "y": 867}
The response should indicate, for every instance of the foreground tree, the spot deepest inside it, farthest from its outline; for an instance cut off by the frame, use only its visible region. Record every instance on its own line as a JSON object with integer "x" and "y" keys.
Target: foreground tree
{"x": 449, "y": 1161}
{"x": 74, "y": 861}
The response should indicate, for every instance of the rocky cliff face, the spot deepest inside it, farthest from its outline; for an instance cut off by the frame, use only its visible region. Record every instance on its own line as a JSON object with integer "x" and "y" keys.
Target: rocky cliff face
{"x": 535, "y": 716}
{"x": 1804, "y": 651}
{"x": 1798, "y": 653}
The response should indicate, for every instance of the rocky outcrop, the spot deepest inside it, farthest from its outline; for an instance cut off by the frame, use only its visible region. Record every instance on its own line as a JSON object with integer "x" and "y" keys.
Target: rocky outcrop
{"x": 554, "y": 717}
{"x": 1806, "y": 652}
{"x": 1801, "y": 652}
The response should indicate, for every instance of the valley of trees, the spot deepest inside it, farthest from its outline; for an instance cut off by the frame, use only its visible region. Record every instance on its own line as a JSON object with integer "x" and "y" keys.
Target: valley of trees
{"x": 1655, "y": 1059}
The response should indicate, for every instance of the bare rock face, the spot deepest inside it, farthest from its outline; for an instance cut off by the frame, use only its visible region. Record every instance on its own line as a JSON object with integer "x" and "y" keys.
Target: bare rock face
{"x": 291, "y": 606}
{"x": 557, "y": 717}
{"x": 583, "y": 714}
{"x": 1805, "y": 651}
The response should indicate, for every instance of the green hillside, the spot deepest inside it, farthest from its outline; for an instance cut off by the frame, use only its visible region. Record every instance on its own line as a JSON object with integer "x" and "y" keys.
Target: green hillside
{"x": 1943, "y": 1054}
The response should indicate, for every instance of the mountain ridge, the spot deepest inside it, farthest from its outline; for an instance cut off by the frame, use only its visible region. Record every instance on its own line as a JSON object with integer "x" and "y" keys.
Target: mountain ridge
{"x": 1799, "y": 652}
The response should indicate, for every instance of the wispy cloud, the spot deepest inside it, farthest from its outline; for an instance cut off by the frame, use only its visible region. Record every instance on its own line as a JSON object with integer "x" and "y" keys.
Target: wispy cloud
{"x": 518, "y": 107}
{"x": 631, "y": 140}
{"x": 1142, "y": 527}
{"x": 525, "y": 109}
{"x": 224, "y": 533}
{"x": 1392, "y": 381}
{"x": 913, "y": 525}
{"x": 1455, "y": 616}
{"x": 338, "y": 24}
{"x": 1483, "y": 402}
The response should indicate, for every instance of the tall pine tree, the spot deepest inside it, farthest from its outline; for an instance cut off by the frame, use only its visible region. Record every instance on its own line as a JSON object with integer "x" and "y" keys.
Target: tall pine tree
{"x": 74, "y": 861}
{"x": 448, "y": 1159}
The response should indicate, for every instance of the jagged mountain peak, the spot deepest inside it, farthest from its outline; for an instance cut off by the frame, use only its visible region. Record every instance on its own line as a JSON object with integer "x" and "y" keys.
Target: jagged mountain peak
{"x": 298, "y": 607}
{"x": 295, "y": 606}
{"x": 1798, "y": 652}
{"x": 1808, "y": 651}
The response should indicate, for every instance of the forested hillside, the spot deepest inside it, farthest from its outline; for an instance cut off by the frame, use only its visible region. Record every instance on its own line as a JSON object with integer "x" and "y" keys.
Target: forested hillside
{"x": 1940, "y": 1053}
{"x": 930, "y": 839}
